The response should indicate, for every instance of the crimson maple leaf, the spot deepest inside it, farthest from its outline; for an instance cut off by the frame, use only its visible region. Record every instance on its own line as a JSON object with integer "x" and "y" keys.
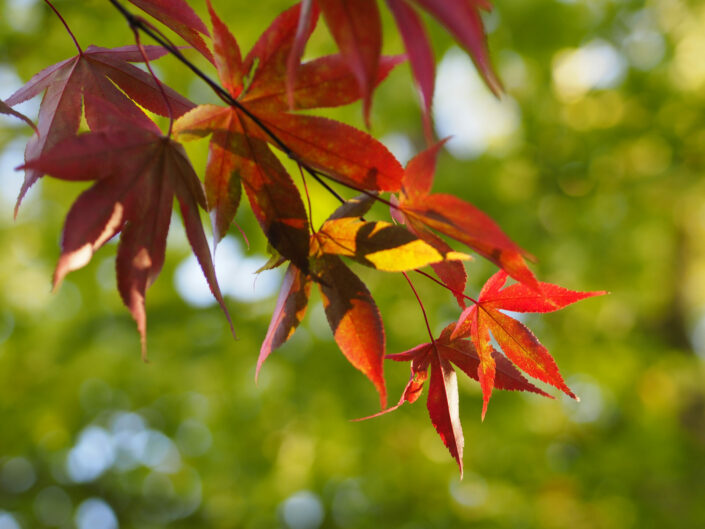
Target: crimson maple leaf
{"x": 420, "y": 209}
{"x": 357, "y": 31}
{"x": 238, "y": 151}
{"x": 95, "y": 71}
{"x": 138, "y": 172}
{"x": 516, "y": 340}
{"x": 442, "y": 401}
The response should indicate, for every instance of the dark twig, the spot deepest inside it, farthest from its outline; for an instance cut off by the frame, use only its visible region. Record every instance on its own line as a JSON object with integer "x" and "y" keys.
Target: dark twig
{"x": 136, "y": 22}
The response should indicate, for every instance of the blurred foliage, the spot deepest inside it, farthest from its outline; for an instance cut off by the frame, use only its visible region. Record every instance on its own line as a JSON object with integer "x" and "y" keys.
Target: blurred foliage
{"x": 601, "y": 179}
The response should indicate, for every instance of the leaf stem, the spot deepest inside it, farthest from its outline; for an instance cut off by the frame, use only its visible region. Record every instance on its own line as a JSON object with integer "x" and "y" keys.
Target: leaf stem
{"x": 308, "y": 198}
{"x": 423, "y": 309}
{"x": 73, "y": 37}
{"x": 169, "y": 109}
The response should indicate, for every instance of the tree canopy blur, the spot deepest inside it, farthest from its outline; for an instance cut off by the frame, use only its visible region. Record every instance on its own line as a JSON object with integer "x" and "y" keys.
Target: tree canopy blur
{"x": 592, "y": 161}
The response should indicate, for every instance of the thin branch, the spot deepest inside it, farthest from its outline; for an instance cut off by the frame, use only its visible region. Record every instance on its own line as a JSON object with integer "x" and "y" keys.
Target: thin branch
{"x": 73, "y": 37}
{"x": 454, "y": 291}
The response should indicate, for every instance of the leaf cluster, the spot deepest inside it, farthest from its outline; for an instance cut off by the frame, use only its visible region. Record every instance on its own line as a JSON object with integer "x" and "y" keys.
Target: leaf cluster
{"x": 137, "y": 171}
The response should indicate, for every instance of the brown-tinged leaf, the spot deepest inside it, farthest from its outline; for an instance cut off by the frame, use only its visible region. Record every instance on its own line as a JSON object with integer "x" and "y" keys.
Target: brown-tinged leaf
{"x": 238, "y": 156}
{"x": 288, "y": 313}
{"x": 274, "y": 198}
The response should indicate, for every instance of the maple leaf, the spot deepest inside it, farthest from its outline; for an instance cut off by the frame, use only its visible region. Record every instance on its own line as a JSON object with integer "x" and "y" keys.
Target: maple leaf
{"x": 460, "y": 220}
{"x": 237, "y": 141}
{"x": 6, "y": 109}
{"x": 516, "y": 340}
{"x": 178, "y": 15}
{"x": 351, "y": 312}
{"x": 94, "y": 71}
{"x": 442, "y": 401}
{"x": 358, "y": 34}
{"x": 138, "y": 172}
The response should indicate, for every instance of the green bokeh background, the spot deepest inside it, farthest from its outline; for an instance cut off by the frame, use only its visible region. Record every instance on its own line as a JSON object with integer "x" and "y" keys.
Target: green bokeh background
{"x": 604, "y": 186}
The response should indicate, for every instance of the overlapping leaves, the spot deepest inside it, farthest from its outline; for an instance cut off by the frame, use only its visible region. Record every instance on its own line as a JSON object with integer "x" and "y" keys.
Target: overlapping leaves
{"x": 352, "y": 313}
{"x": 420, "y": 210}
{"x": 138, "y": 172}
{"x": 357, "y": 30}
{"x": 238, "y": 150}
{"x": 467, "y": 344}
{"x": 105, "y": 73}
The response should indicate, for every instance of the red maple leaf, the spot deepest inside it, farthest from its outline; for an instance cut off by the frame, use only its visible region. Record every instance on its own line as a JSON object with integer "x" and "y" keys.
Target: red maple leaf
{"x": 95, "y": 71}
{"x": 420, "y": 210}
{"x": 138, "y": 172}
{"x": 442, "y": 401}
{"x": 516, "y": 340}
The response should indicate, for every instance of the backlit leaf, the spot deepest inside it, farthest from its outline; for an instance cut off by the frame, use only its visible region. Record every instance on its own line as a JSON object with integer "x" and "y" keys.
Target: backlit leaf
{"x": 138, "y": 174}
{"x": 380, "y": 245}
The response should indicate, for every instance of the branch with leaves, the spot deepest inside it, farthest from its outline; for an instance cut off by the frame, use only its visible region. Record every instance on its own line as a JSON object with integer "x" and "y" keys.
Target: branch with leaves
{"x": 138, "y": 171}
